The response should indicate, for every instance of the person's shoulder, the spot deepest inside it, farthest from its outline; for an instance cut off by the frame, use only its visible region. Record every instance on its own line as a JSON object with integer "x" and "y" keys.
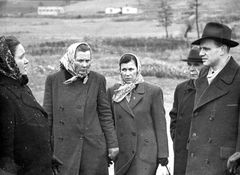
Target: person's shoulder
{"x": 97, "y": 75}
{"x": 183, "y": 84}
{"x": 152, "y": 88}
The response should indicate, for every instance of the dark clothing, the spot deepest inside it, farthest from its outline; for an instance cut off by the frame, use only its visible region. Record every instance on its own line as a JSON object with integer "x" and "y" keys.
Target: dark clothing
{"x": 141, "y": 130}
{"x": 181, "y": 115}
{"x": 81, "y": 122}
{"x": 214, "y": 132}
{"x": 24, "y": 134}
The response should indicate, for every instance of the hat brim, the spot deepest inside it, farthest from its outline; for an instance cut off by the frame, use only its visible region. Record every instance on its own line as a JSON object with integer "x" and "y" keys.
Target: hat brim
{"x": 229, "y": 43}
{"x": 192, "y": 60}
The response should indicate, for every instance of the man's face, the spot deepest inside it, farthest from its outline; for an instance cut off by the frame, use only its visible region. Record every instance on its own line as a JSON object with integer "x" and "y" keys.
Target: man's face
{"x": 210, "y": 53}
{"x": 194, "y": 69}
{"x": 83, "y": 62}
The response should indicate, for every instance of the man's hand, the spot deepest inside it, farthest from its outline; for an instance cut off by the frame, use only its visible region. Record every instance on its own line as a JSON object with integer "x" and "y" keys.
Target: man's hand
{"x": 233, "y": 162}
{"x": 163, "y": 161}
{"x": 113, "y": 152}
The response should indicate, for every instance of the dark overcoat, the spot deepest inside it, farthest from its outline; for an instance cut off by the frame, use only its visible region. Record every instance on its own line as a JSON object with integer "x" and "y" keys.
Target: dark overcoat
{"x": 141, "y": 130}
{"x": 181, "y": 115}
{"x": 81, "y": 121}
{"x": 24, "y": 134}
{"x": 214, "y": 133}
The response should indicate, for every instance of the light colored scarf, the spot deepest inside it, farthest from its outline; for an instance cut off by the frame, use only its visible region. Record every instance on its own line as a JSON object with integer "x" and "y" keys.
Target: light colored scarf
{"x": 125, "y": 89}
{"x": 68, "y": 60}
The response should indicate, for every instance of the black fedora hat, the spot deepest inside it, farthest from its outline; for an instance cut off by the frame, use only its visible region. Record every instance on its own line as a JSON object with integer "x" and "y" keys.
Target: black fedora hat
{"x": 218, "y": 32}
{"x": 194, "y": 56}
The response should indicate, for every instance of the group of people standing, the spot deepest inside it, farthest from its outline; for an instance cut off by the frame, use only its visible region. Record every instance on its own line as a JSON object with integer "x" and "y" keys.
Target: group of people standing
{"x": 83, "y": 127}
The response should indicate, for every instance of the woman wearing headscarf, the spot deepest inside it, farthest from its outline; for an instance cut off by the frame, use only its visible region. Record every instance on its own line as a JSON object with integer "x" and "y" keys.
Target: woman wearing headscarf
{"x": 24, "y": 135}
{"x": 140, "y": 121}
{"x": 80, "y": 115}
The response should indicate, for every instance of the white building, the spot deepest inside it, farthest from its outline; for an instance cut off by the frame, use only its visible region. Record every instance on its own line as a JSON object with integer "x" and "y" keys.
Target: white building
{"x": 50, "y": 11}
{"x": 112, "y": 10}
{"x": 129, "y": 10}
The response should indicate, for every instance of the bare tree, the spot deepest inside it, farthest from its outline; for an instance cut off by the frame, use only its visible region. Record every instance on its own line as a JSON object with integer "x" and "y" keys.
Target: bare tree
{"x": 165, "y": 15}
{"x": 194, "y": 5}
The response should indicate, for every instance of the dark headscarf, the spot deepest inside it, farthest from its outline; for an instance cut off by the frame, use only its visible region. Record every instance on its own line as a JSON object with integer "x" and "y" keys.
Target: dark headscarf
{"x": 8, "y": 66}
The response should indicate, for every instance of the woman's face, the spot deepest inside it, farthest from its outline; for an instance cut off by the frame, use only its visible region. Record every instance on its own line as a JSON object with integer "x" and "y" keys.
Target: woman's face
{"x": 83, "y": 62}
{"x": 20, "y": 59}
{"x": 128, "y": 72}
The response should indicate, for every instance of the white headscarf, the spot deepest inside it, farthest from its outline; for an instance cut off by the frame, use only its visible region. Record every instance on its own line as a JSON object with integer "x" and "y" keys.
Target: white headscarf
{"x": 68, "y": 60}
{"x": 125, "y": 88}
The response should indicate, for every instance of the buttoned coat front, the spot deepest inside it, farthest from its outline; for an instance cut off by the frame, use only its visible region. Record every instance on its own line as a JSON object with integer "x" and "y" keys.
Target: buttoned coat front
{"x": 141, "y": 130}
{"x": 81, "y": 122}
{"x": 181, "y": 115}
{"x": 214, "y": 132}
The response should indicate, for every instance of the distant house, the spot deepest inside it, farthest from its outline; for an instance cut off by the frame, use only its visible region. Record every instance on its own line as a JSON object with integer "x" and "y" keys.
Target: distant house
{"x": 50, "y": 11}
{"x": 129, "y": 10}
{"x": 112, "y": 10}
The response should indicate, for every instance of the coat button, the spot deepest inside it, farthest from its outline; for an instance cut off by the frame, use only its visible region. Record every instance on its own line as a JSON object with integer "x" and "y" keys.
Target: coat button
{"x": 195, "y": 114}
{"x": 207, "y": 161}
{"x": 60, "y": 138}
{"x": 210, "y": 140}
{"x": 192, "y": 155}
{"x": 211, "y": 118}
{"x": 61, "y": 108}
{"x": 62, "y": 122}
{"x": 194, "y": 134}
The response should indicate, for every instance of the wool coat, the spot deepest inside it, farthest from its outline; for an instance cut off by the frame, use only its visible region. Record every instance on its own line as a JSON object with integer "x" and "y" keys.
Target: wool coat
{"x": 181, "y": 115}
{"x": 141, "y": 130}
{"x": 215, "y": 130}
{"x": 81, "y": 121}
{"x": 24, "y": 134}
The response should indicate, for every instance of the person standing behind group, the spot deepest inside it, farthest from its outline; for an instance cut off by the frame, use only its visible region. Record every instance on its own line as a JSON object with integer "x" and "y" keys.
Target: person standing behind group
{"x": 24, "y": 133}
{"x": 140, "y": 121}
{"x": 215, "y": 132}
{"x": 82, "y": 125}
{"x": 181, "y": 113}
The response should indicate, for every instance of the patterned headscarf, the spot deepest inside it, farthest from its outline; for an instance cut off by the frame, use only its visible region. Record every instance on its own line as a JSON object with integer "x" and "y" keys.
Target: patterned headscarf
{"x": 125, "y": 88}
{"x": 68, "y": 60}
{"x": 8, "y": 65}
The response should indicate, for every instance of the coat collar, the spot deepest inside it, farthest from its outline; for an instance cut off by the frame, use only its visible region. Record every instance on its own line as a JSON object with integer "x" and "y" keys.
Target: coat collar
{"x": 219, "y": 85}
{"x": 137, "y": 95}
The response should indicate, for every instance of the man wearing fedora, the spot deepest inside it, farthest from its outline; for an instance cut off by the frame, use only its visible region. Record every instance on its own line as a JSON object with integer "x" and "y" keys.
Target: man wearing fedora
{"x": 181, "y": 112}
{"x": 215, "y": 132}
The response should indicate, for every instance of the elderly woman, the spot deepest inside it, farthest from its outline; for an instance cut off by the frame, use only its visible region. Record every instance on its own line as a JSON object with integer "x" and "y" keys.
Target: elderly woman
{"x": 80, "y": 114}
{"x": 140, "y": 121}
{"x": 24, "y": 134}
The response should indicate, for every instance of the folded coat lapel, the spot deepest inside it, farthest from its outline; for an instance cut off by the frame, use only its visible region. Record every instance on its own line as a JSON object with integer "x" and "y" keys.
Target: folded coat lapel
{"x": 124, "y": 104}
{"x": 137, "y": 95}
{"x": 218, "y": 87}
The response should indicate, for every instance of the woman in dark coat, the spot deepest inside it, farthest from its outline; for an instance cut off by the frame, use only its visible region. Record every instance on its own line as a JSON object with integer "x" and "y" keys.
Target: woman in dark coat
{"x": 24, "y": 134}
{"x": 140, "y": 121}
{"x": 181, "y": 112}
{"x": 80, "y": 115}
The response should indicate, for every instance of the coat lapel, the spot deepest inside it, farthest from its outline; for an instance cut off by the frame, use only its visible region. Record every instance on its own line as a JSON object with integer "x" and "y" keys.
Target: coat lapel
{"x": 124, "y": 104}
{"x": 218, "y": 87}
{"x": 137, "y": 95}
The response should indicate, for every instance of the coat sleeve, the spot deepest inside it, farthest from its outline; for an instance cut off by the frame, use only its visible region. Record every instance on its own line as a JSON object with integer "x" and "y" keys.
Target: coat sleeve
{"x": 7, "y": 127}
{"x": 173, "y": 115}
{"x": 105, "y": 115}
{"x": 109, "y": 93}
{"x": 159, "y": 120}
{"x": 48, "y": 105}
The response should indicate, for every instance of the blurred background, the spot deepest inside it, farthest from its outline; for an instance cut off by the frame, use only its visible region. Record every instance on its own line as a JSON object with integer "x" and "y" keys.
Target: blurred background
{"x": 159, "y": 32}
